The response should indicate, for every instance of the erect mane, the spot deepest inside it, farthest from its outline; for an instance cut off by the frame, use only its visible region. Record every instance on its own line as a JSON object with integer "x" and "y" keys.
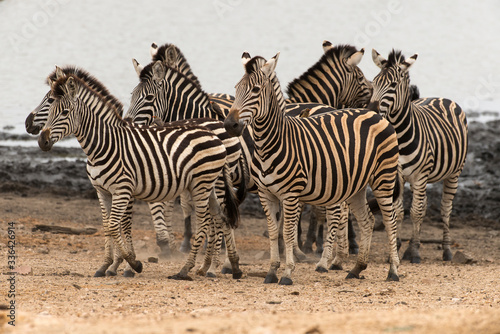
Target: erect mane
{"x": 395, "y": 58}
{"x": 91, "y": 82}
{"x": 341, "y": 51}
{"x": 184, "y": 66}
{"x": 59, "y": 90}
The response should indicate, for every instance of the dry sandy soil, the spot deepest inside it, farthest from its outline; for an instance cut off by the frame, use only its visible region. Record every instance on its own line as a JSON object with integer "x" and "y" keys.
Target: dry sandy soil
{"x": 59, "y": 294}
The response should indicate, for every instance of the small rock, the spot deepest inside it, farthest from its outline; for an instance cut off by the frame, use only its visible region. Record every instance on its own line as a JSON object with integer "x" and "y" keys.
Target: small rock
{"x": 24, "y": 270}
{"x": 273, "y": 302}
{"x": 462, "y": 258}
{"x": 76, "y": 286}
{"x": 152, "y": 259}
{"x": 295, "y": 293}
{"x": 42, "y": 250}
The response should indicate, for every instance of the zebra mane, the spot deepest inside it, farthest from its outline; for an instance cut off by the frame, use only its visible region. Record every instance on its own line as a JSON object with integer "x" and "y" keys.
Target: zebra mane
{"x": 395, "y": 58}
{"x": 90, "y": 81}
{"x": 147, "y": 74}
{"x": 59, "y": 90}
{"x": 183, "y": 65}
{"x": 341, "y": 51}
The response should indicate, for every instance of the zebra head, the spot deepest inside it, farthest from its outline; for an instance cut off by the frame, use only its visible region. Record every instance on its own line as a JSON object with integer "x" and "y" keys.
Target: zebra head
{"x": 391, "y": 87}
{"x": 344, "y": 60}
{"x": 252, "y": 93}
{"x": 147, "y": 96}
{"x": 38, "y": 117}
{"x": 61, "y": 119}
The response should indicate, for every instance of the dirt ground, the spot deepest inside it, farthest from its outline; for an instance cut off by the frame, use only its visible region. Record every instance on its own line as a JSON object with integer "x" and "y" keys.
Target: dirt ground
{"x": 59, "y": 294}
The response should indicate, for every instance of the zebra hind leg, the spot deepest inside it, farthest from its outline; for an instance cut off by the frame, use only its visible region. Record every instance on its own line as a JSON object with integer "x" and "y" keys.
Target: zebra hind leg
{"x": 417, "y": 214}
{"x": 449, "y": 190}
{"x": 332, "y": 221}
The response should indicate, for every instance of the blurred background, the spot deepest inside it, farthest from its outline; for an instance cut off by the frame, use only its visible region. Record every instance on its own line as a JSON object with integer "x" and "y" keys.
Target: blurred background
{"x": 457, "y": 43}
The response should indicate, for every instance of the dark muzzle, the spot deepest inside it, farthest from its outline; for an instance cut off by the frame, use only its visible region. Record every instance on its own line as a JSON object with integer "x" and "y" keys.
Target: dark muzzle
{"x": 44, "y": 140}
{"x": 30, "y": 128}
{"x": 233, "y": 125}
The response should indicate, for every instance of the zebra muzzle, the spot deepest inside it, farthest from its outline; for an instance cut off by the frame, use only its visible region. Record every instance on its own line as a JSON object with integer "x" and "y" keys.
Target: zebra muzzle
{"x": 233, "y": 125}
{"x": 44, "y": 140}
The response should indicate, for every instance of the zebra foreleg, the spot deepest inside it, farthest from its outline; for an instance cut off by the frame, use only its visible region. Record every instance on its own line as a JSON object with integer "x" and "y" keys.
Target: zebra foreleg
{"x": 105, "y": 203}
{"x": 271, "y": 206}
{"x": 212, "y": 251}
{"x": 332, "y": 222}
{"x": 118, "y": 210}
{"x": 417, "y": 214}
{"x": 291, "y": 211}
{"x": 449, "y": 190}
{"x": 311, "y": 231}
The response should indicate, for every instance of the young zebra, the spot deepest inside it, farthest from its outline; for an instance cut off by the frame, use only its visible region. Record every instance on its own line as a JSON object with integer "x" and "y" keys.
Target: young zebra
{"x": 432, "y": 137}
{"x": 154, "y": 164}
{"x": 323, "y": 160}
{"x": 37, "y": 119}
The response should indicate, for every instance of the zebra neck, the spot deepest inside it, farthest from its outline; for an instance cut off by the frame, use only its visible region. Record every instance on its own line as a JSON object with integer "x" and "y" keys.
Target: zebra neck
{"x": 404, "y": 122}
{"x": 269, "y": 130}
{"x": 99, "y": 121}
{"x": 185, "y": 100}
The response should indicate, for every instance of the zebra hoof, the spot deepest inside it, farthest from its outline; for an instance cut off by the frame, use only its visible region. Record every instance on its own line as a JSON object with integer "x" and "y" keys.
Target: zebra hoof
{"x": 99, "y": 273}
{"x": 392, "y": 277}
{"x": 447, "y": 255}
{"x": 353, "y": 275}
{"x": 407, "y": 255}
{"x": 321, "y": 270}
{"x": 300, "y": 255}
{"x": 353, "y": 250}
{"x": 336, "y": 267}
{"x": 110, "y": 273}
{"x": 210, "y": 275}
{"x": 238, "y": 274}
{"x": 179, "y": 277}
{"x": 271, "y": 278}
{"x": 415, "y": 259}
{"x": 226, "y": 271}
{"x": 285, "y": 281}
{"x": 128, "y": 273}
{"x": 138, "y": 267}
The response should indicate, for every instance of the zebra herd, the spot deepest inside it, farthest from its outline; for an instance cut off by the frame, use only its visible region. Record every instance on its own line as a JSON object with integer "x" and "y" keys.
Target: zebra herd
{"x": 334, "y": 135}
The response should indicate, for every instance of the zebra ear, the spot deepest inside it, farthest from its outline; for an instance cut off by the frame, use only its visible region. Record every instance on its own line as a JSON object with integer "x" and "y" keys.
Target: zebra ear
{"x": 378, "y": 59}
{"x": 405, "y": 66}
{"x": 327, "y": 46}
{"x": 355, "y": 58}
{"x": 171, "y": 56}
{"x": 270, "y": 65}
{"x": 245, "y": 57}
{"x": 158, "y": 71}
{"x": 59, "y": 73}
{"x": 71, "y": 88}
{"x": 153, "y": 50}
{"x": 137, "y": 66}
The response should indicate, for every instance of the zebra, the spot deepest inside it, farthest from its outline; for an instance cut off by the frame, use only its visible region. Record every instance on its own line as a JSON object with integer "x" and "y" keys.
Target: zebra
{"x": 154, "y": 164}
{"x": 37, "y": 119}
{"x": 432, "y": 135}
{"x": 323, "y": 160}
{"x": 334, "y": 80}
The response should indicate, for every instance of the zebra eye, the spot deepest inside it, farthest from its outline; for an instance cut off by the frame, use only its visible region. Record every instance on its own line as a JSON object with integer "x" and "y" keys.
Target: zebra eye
{"x": 65, "y": 112}
{"x": 149, "y": 98}
{"x": 256, "y": 89}
{"x": 50, "y": 100}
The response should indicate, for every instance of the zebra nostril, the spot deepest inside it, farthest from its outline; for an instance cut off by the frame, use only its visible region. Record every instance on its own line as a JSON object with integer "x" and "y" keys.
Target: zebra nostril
{"x": 235, "y": 125}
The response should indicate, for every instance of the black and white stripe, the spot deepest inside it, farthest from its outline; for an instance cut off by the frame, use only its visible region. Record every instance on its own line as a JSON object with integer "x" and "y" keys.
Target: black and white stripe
{"x": 127, "y": 162}
{"x": 432, "y": 136}
{"x": 323, "y": 160}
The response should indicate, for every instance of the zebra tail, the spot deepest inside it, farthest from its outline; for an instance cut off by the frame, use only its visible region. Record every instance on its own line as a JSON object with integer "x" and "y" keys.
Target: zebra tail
{"x": 398, "y": 188}
{"x": 241, "y": 193}
{"x": 231, "y": 205}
